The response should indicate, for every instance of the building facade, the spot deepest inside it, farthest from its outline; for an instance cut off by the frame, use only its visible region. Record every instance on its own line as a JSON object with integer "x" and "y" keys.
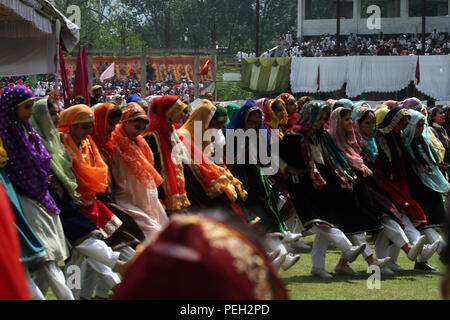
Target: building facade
{"x": 318, "y": 17}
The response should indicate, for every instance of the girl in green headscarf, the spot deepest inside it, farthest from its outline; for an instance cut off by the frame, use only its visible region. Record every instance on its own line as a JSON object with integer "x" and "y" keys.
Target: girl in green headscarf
{"x": 80, "y": 231}
{"x": 231, "y": 111}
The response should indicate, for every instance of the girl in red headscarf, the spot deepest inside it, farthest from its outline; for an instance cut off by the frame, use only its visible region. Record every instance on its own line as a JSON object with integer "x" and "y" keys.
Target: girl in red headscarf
{"x": 291, "y": 109}
{"x": 161, "y": 137}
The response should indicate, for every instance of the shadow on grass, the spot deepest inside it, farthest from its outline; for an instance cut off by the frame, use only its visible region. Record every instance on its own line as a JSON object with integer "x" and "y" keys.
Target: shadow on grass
{"x": 408, "y": 275}
{"x": 314, "y": 279}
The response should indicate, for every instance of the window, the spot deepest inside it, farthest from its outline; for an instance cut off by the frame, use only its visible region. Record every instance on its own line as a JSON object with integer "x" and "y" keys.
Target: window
{"x": 433, "y": 8}
{"x": 389, "y": 8}
{"x": 326, "y": 9}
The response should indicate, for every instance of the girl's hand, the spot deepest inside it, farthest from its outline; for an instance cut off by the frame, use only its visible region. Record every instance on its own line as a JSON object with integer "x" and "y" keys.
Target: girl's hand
{"x": 295, "y": 171}
{"x": 366, "y": 172}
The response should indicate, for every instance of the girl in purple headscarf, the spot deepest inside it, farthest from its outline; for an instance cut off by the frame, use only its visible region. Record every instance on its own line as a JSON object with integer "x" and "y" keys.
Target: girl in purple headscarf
{"x": 28, "y": 167}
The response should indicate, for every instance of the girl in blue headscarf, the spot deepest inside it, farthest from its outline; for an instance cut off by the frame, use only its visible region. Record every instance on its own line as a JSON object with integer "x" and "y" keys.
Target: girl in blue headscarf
{"x": 426, "y": 181}
{"x": 392, "y": 167}
{"x": 365, "y": 126}
{"x": 261, "y": 199}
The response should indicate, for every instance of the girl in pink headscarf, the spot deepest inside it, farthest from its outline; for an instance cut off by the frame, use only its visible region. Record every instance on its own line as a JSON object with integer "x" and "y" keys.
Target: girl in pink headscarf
{"x": 361, "y": 210}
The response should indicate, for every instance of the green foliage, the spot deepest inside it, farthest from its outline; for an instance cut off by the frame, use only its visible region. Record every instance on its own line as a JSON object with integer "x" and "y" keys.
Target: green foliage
{"x": 182, "y": 23}
{"x": 229, "y": 91}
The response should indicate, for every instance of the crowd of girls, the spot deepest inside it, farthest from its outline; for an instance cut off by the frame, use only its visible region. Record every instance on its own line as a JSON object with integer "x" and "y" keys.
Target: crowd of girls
{"x": 91, "y": 187}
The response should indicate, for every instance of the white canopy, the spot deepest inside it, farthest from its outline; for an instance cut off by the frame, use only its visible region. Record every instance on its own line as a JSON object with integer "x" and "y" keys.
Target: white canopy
{"x": 30, "y": 34}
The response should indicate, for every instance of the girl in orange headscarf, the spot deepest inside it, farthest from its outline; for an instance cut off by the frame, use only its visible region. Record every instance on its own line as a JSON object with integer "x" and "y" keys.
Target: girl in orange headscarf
{"x": 135, "y": 178}
{"x": 129, "y": 235}
{"x": 107, "y": 116}
{"x": 91, "y": 171}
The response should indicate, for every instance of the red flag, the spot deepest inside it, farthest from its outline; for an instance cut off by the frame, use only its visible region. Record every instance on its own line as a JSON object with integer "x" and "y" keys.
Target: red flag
{"x": 204, "y": 69}
{"x": 86, "y": 73}
{"x": 81, "y": 83}
{"x": 418, "y": 71}
{"x": 318, "y": 78}
{"x": 65, "y": 81}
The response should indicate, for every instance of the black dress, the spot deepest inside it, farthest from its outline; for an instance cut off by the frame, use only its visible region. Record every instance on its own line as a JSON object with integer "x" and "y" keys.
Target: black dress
{"x": 351, "y": 211}
{"x": 429, "y": 200}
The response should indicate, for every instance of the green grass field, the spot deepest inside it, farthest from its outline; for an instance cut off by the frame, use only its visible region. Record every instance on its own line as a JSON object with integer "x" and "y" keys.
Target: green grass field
{"x": 409, "y": 284}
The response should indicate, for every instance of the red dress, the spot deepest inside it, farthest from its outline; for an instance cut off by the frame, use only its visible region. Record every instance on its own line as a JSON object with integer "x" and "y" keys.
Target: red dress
{"x": 398, "y": 191}
{"x": 13, "y": 285}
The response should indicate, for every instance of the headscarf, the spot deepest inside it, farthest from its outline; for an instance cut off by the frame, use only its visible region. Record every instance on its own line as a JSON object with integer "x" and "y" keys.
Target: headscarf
{"x": 28, "y": 160}
{"x": 197, "y": 257}
{"x": 88, "y": 166}
{"x": 212, "y": 178}
{"x": 437, "y": 145}
{"x": 336, "y": 159}
{"x": 347, "y": 103}
{"x": 136, "y": 155}
{"x": 99, "y": 132}
{"x": 390, "y": 121}
{"x": 160, "y": 111}
{"x": 440, "y": 130}
{"x": 239, "y": 122}
{"x": 346, "y": 141}
{"x": 380, "y": 113}
{"x": 447, "y": 121}
{"x": 118, "y": 99}
{"x": 133, "y": 98}
{"x": 411, "y": 103}
{"x": 287, "y": 97}
{"x": 270, "y": 119}
{"x": 231, "y": 111}
{"x": 391, "y": 104}
{"x": 239, "y": 119}
{"x": 3, "y": 156}
{"x": 330, "y": 103}
{"x": 61, "y": 162}
{"x": 301, "y": 102}
{"x": 150, "y": 100}
{"x": 434, "y": 178}
{"x": 369, "y": 144}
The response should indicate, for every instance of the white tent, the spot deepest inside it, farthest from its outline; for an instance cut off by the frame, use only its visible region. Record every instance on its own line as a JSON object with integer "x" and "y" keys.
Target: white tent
{"x": 30, "y": 34}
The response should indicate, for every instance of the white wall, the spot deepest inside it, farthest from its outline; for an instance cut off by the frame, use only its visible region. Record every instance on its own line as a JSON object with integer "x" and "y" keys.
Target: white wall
{"x": 403, "y": 24}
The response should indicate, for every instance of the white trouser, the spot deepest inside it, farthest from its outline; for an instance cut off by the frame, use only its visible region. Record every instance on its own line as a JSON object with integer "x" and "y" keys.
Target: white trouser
{"x": 99, "y": 251}
{"x": 359, "y": 239}
{"x": 35, "y": 292}
{"x": 126, "y": 253}
{"x": 49, "y": 274}
{"x": 92, "y": 280}
{"x": 432, "y": 236}
{"x": 103, "y": 258}
{"x": 411, "y": 232}
{"x": 447, "y": 204}
{"x": 392, "y": 232}
{"x": 325, "y": 236}
{"x": 412, "y": 235}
